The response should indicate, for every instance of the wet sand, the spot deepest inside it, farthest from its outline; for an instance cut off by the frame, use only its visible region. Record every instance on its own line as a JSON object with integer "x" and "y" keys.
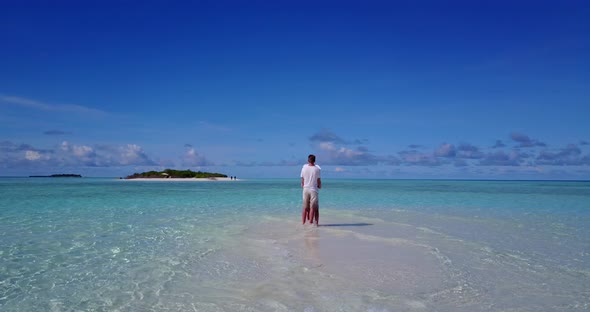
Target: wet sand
{"x": 369, "y": 264}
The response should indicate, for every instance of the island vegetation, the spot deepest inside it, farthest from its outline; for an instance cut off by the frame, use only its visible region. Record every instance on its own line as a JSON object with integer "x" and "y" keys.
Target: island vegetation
{"x": 61, "y": 175}
{"x": 177, "y": 174}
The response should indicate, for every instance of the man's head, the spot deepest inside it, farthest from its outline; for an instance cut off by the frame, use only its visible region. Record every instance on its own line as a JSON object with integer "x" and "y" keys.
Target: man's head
{"x": 311, "y": 159}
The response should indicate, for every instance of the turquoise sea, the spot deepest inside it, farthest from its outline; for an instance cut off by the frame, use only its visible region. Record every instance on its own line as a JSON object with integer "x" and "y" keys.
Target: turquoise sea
{"x": 97, "y": 244}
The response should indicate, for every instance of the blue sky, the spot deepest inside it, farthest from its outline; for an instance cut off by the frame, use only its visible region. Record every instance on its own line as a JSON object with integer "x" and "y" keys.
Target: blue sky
{"x": 376, "y": 89}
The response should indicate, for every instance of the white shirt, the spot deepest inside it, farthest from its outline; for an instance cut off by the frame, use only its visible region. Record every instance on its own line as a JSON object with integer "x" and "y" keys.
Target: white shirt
{"x": 310, "y": 175}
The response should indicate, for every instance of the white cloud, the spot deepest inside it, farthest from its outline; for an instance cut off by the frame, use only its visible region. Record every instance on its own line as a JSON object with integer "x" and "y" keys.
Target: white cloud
{"x": 192, "y": 159}
{"x": 132, "y": 154}
{"x": 77, "y": 150}
{"x": 327, "y": 146}
{"x": 416, "y": 158}
{"x": 344, "y": 156}
{"x": 347, "y": 152}
{"x": 72, "y": 155}
{"x": 66, "y": 108}
{"x": 32, "y": 155}
{"x": 79, "y": 154}
{"x": 445, "y": 150}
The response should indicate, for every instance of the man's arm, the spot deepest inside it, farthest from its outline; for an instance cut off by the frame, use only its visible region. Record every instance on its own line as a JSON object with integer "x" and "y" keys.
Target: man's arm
{"x": 302, "y": 181}
{"x": 319, "y": 182}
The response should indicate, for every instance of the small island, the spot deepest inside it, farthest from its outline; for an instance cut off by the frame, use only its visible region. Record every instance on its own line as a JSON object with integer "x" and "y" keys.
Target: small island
{"x": 61, "y": 175}
{"x": 176, "y": 174}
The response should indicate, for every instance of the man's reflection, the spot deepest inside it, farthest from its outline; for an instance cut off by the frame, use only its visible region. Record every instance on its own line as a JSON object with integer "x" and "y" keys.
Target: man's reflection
{"x": 312, "y": 245}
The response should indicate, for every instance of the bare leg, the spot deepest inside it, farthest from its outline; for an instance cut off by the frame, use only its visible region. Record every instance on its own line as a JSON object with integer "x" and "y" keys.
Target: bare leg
{"x": 315, "y": 213}
{"x": 305, "y": 215}
{"x": 317, "y": 216}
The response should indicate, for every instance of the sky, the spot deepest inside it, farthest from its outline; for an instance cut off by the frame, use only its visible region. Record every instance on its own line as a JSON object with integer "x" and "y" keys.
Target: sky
{"x": 375, "y": 89}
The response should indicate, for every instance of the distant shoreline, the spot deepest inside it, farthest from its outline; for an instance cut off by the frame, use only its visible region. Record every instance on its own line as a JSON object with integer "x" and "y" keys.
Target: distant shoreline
{"x": 181, "y": 179}
{"x": 61, "y": 175}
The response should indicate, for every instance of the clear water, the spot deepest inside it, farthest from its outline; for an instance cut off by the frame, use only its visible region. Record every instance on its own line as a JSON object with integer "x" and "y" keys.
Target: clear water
{"x": 386, "y": 245}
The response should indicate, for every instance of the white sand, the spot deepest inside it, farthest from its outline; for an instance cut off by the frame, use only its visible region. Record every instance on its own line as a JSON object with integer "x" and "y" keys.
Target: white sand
{"x": 358, "y": 263}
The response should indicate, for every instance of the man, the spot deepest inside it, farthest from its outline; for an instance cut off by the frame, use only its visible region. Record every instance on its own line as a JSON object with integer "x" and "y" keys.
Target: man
{"x": 311, "y": 183}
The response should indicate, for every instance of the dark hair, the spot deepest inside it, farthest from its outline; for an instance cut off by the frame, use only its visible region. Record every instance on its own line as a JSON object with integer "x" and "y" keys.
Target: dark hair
{"x": 311, "y": 158}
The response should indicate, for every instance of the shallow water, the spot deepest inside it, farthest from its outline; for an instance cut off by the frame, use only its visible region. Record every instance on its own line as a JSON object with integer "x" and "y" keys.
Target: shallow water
{"x": 383, "y": 245}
